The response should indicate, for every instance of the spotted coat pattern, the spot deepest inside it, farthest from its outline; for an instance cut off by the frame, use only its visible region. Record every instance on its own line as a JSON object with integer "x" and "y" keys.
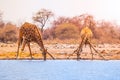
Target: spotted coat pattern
{"x": 29, "y": 33}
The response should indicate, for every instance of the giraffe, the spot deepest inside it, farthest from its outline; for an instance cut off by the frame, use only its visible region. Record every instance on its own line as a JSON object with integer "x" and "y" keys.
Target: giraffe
{"x": 86, "y": 36}
{"x": 29, "y": 33}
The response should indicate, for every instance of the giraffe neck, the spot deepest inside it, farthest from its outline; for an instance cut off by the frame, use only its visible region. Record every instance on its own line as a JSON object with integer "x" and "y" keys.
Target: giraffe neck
{"x": 39, "y": 38}
{"x": 40, "y": 42}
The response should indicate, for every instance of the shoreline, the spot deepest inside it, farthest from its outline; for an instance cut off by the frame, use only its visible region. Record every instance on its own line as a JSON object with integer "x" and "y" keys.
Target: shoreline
{"x": 57, "y": 56}
{"x": 60, "y": 52}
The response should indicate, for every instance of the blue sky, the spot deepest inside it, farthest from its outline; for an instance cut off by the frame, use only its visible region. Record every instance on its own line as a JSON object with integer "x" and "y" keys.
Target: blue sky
{"x": 23, "y": 10}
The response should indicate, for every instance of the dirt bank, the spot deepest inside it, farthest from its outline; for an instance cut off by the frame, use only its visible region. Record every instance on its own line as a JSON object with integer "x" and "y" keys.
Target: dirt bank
{"x": 61, "y": 51}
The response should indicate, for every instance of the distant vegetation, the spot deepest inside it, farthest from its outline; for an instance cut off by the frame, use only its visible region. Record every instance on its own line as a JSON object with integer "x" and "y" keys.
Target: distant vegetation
{"x": 69, "y": 28}
{"x": 65, "y": 28}
{"x": 8, "y": 33}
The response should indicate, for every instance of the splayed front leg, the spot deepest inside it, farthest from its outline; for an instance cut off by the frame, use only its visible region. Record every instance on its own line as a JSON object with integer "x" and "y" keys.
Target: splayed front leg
{"x": 30, "y": 50}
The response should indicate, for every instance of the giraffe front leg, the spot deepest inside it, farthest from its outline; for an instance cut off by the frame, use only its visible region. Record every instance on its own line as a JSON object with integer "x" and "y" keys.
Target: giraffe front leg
{"x": 44, "y": 51}
{"x": 91, "y": 51}
{"x": 30, "y": 50}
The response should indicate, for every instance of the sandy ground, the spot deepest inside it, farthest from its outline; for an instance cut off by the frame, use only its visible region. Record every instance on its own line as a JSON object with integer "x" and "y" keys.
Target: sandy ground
{"x": 61, "y": 51}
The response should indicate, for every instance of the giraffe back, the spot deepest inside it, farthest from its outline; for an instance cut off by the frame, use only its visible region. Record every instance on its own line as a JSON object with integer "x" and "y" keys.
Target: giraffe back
{"x": 86, "y": 32}
{"x": 29, "y": 32}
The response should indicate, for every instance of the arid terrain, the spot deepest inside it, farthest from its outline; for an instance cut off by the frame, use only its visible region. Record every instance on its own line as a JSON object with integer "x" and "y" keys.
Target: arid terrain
{"x": 61, "y": 51}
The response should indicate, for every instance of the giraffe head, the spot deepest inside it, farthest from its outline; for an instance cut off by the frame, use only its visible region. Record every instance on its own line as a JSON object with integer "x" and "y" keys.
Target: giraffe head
{"x": 44, "y": 52}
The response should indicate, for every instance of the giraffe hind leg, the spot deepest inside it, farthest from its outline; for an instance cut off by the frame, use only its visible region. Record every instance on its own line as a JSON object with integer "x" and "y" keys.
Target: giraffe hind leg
{"x": 80, "y": 48}
{"x": 17, "y": 51}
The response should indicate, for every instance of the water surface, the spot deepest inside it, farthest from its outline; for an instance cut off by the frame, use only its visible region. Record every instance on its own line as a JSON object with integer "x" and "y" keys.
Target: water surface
{"x": 59, "y": 70}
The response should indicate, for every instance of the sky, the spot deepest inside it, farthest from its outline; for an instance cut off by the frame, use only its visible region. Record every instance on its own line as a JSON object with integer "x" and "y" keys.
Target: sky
{"x": 22, "y": 10}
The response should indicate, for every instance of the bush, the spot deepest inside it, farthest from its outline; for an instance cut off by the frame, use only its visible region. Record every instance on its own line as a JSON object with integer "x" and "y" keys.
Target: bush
{"x": 66, "y": 31}
{"x": 8, "y": 33}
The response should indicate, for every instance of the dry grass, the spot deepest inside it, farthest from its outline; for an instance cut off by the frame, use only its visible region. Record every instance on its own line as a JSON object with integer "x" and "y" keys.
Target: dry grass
{"x": 60, "y": 51}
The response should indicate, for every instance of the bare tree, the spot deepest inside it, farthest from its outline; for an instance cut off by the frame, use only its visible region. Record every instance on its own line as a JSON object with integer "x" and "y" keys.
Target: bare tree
{"x": 42, "y": 16}
{"x": 1, "y": 15}
{"x": 1, "y": 20}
